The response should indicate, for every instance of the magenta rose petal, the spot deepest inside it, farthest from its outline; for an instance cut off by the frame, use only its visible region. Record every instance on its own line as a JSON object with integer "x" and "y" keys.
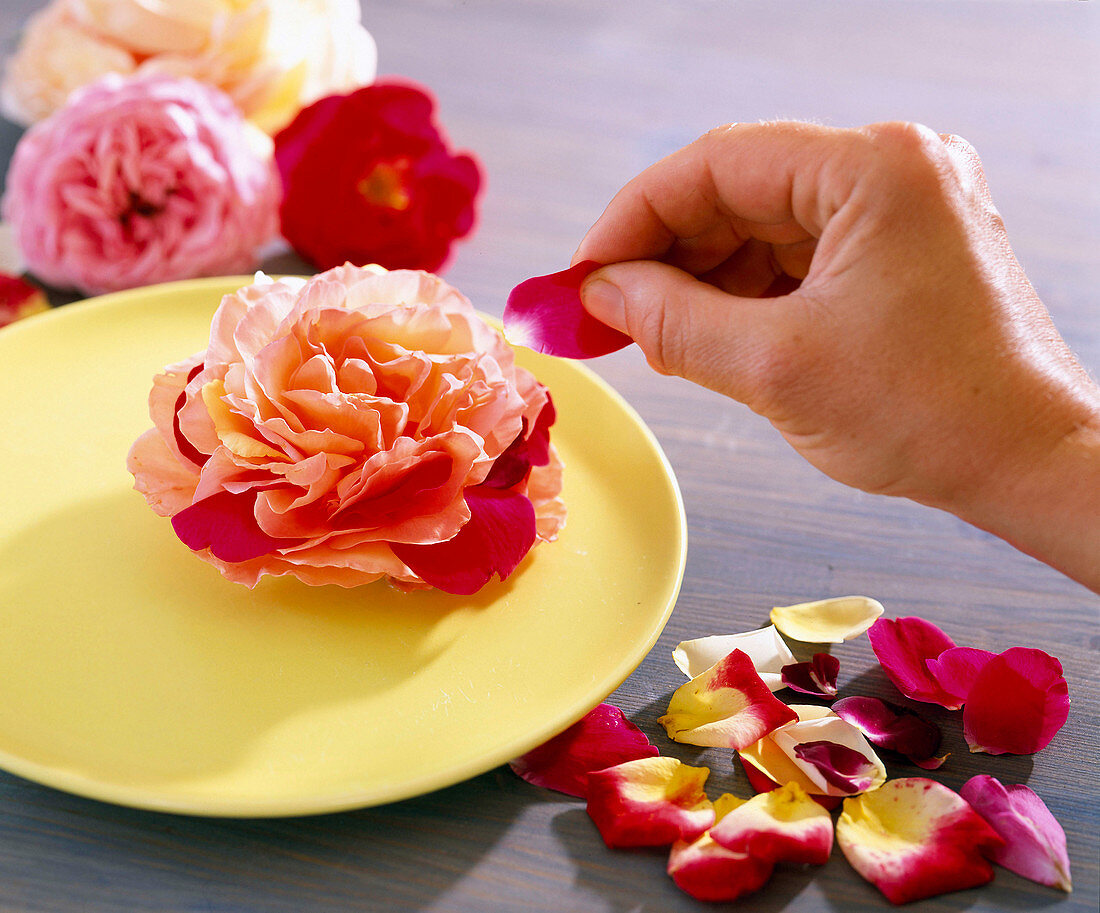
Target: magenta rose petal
{"x": 889, "y": 726}
{"x": 956, "y": 668}
{"x": 1017, "y": 703}
{"x": 903, "y": 646}
{"x": 817, "y": 677}
{"x": 226, "y": 524}
{"x": 499, "y": 533}
{"x": 1035, "y": 843}
{"x": 545, "y": 314}
{"x": 840, "y": 766}
{"x": 602, "y": 738}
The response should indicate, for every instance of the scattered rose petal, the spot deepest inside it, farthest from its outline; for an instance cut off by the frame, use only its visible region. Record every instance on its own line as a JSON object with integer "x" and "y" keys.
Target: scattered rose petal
{"x": 1017, "y": 703}
{"x": 728, "y": 706}
{"x": 649, "y": 802}
{"x": 827, "y": 620}
{"x": 840, "y": 766}
{"x": 708, "y": 871}
{"x": 903, "y": 647}
{"x": 915, "y": 838}
{"x": 889, "y": 726}
{"x": 767, "y": 650}
{"x": 775, "y": 756}
{"x": 602, "y": 738}
{"x": 816, "y": 677}
{"x": 783, "y": 825}
{"x": 956, "y": 668}
{"x": 19, "y": 299}
{"x": 762, "y": 783}
{"x": 545, "y": 314}
{"x": 1035, "y": 844}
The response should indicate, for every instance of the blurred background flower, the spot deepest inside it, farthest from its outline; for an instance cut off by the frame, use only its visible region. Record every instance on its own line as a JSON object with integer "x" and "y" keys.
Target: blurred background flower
{"x": 141, "y": 180}
{"x": 270, "y": 56}
{"x": 369, "y": 178}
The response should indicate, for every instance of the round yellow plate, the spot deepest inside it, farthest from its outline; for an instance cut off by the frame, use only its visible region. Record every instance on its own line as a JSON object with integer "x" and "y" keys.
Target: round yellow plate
{"x": 132, "y": 672}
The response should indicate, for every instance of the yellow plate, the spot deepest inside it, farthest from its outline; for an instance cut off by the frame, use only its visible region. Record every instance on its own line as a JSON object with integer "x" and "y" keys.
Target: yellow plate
{"x": 131, "y": 672}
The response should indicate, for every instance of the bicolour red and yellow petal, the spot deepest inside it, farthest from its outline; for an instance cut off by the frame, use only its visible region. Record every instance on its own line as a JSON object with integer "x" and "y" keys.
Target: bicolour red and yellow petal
{"x": 19, "y": 299}
{"x": 1035, "y": 844}
{"x": 649, "y": 802}
{"x": 728, "y": 706}
{"x": 827, "y": 620}
{"x": 783, "y": 825}
{"x": 915, "y": 838}
{"x": 1017, "y": 703}
{"x": 765, "y": 647}
{"x": 602, "y": 738}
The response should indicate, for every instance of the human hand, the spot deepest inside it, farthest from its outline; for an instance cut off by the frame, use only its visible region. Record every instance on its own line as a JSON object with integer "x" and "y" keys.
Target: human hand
{"x": 857, "y": 288}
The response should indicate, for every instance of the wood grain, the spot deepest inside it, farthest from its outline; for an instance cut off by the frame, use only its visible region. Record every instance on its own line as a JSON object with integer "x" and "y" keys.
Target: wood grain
{"x": 564, "y": 100}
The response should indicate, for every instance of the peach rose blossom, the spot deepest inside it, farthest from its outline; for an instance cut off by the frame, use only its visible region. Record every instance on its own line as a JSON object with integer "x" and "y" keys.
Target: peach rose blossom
{"x": 271, "y": 57}
{"x": 139, "y": 180}
{"x": 358, "y": 425}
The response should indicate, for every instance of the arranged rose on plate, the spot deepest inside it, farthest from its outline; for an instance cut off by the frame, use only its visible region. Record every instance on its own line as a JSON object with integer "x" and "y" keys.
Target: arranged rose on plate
{"x": 141, "y": 180}
{"x": 270, "y": 56}
{"x": 359, "y": 425}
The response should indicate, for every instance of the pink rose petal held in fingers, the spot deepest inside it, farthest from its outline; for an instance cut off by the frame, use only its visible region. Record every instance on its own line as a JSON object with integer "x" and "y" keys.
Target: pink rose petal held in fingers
{"x": 783, "y": 825}
{"x": 889, "y": 726}
{"x": 1035, "y": 844}
{"x": 728, "y": 706}
{"x": 915, "y": 838}
{"x": 903, "y": 647}
{"x": 817, "y": 677}
{"x": 649, "y": 802}
{"x": 709, "y": 871}
{"x": 545, "y": 314}
{"x": 602, "y": 738}
{"x": 1017, "y": 703}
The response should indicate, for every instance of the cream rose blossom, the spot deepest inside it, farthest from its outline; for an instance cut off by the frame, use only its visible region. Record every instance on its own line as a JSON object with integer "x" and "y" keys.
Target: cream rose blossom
{"x": 359, "y": 425}
{"x": 270, "y": 56}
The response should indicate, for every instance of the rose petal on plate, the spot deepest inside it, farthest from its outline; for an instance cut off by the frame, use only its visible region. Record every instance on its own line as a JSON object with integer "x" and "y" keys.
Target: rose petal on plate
{"x": 226, "y": 524}
{"x": 545, "y": 314}
{"x": 776, "y": 758}
{"x": 649, "y": 802}
{"x": 816, "y": 677}
{"x": 783, "y": 825}
{"x": 915, "y": 838}
{"x": 765, "y": 647}
{"x": 728, "y": 706}
{"x": 1035, "y": 844}
{"x": 889, "y": 726}
{"x": 1017, "y": 703}
{"x": 499, "y": 533}
{"x": 956, "y": 668}
{"x": 19, "y": 299}
{"x": 903, "y": 647}
{"x": 602, "y": 738}
{"x": 827, "y": 620}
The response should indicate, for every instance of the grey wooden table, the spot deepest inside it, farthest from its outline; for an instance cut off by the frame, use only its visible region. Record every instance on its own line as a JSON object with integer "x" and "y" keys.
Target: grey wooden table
{"x": 564, "y": 100}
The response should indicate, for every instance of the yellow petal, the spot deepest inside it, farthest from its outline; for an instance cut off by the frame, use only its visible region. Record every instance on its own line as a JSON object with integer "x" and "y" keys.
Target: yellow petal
{"x": 827, "y": 620}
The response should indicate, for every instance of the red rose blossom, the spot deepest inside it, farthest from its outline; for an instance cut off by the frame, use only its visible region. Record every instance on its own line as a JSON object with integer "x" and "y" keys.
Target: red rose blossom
{"x": 369, "y": 178}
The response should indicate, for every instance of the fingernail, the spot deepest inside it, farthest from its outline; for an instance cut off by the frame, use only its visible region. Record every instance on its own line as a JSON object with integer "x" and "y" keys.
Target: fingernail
{"x": 605, "y": 302}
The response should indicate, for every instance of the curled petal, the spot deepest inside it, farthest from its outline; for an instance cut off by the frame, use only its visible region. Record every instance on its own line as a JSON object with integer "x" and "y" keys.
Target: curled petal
{"x": 903, "y": 647}
{"x": 783, "y": 825}
{"x": 767, "y": 650}
{"x": 649, "y": 802}
{"x": 816, "y": 677}
{"x": 889, "y": 726}
{"x": 708, "y": 871}
{"x": 915, "y": 838}
{"x": 1035, "y": 844}
{"x": 1017, "y": 703}
{"x": 827, "y": 620}
{"x": 762, "y": 783}
{"x": 545, "y": 314}
{"x": 956, "y": 668}
{"x": 845, "y": 768}
{"x": 600, "y": 739}
{"x": 728, "y": 706}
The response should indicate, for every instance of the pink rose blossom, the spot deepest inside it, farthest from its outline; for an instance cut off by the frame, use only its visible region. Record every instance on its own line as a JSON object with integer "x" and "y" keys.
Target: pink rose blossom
{"x": 138, "y": 181}
{"x": 358, "y": 425}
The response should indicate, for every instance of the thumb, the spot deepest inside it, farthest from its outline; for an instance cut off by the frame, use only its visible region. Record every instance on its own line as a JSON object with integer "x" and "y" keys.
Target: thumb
{"x": 691, "y": 328}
